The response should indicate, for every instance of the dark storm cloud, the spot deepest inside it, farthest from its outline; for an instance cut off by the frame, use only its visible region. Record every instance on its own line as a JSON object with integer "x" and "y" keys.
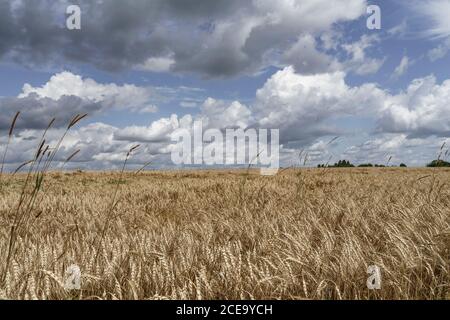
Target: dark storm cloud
{"x": 212, "y": 38}
{"x": 115, "y": 34}
{"x": 36, "y": 112}
{"x": 6, "y": 28}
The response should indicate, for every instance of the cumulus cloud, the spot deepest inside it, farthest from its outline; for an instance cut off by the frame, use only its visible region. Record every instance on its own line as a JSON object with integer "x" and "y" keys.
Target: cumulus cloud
{"x": 212, "y": 38}
{"x": 300, "y": 104}
{"x": 222, "y": 114}
{"x": 308, "y": 98}
{"x": 213, "y": 114}
{"x": 306, "y": 59}
{"x": 394, "y": 149}
{"x": 66, "y": 83}
{"x": 158, "y": 131}
{"x": 66, "y": 95}
{"x": 422, "y": 110}
{"x": 99, "y": 148}
{"x": 303, "y": 105}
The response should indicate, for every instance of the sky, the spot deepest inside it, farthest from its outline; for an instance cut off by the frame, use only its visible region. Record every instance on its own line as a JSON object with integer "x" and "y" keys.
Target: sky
{"x": 142, "y": 69}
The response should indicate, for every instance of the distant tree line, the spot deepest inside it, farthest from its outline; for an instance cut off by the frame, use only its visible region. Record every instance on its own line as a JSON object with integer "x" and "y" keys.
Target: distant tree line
{"x": 347, "y": 164}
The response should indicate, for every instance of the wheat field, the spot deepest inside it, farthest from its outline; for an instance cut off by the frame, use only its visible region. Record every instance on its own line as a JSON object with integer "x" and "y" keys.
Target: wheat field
{"x": 303, "y": 234}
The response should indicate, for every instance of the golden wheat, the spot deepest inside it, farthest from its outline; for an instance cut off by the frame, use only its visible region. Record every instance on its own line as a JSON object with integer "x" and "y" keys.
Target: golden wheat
{"x": 303, "y": 234}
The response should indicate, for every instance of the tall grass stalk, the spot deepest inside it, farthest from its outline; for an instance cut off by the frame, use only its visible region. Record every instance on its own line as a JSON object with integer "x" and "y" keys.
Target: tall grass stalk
{"x": 109, "y": 216}
{"x": 27, "y": 198}
{"x": 10, "y": 134}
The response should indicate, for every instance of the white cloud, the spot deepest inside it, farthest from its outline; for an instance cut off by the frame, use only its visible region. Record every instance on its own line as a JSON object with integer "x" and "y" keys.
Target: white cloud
{"x": 438, "y": 12}
{"x": 399, "y": 148}
{"x": 309, "y": 15}
{"x": 359, "y": 62}
{"x": 66, "y": 94}
{"x": 402, "y": 67}
{"x": 299, "y": 104}
{"x": 399, "y": 30}
{"x": 310, "y": 57}
{"x": 421, "y": 110}
{"x": 214, "y": 114}
{"x": 306, "y": 59}
{"x": 158, "y": 64}
{"x": 109, "y": 95}
{"x": 221, "y": 114}
{"x": 158, "y": 131}
{"x": 304, "y": 107}
{"x": 148, "y": 109}
{"x": 440, "y": 51}
{"x": 188, "y": 104}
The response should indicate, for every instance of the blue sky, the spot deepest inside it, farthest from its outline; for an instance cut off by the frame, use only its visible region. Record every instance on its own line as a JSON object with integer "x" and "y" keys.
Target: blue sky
{"x": 142, "y": 69}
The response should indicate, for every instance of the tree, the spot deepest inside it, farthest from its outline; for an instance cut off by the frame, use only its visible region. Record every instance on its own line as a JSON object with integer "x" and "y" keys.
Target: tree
{"x": 343, "y": 164}
{"x": 402, "y": 165}
{"x": 438, "y": 163}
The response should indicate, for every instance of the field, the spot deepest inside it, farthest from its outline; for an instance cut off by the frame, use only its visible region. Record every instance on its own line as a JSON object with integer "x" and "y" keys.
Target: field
{"x": 303, "y": 234}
